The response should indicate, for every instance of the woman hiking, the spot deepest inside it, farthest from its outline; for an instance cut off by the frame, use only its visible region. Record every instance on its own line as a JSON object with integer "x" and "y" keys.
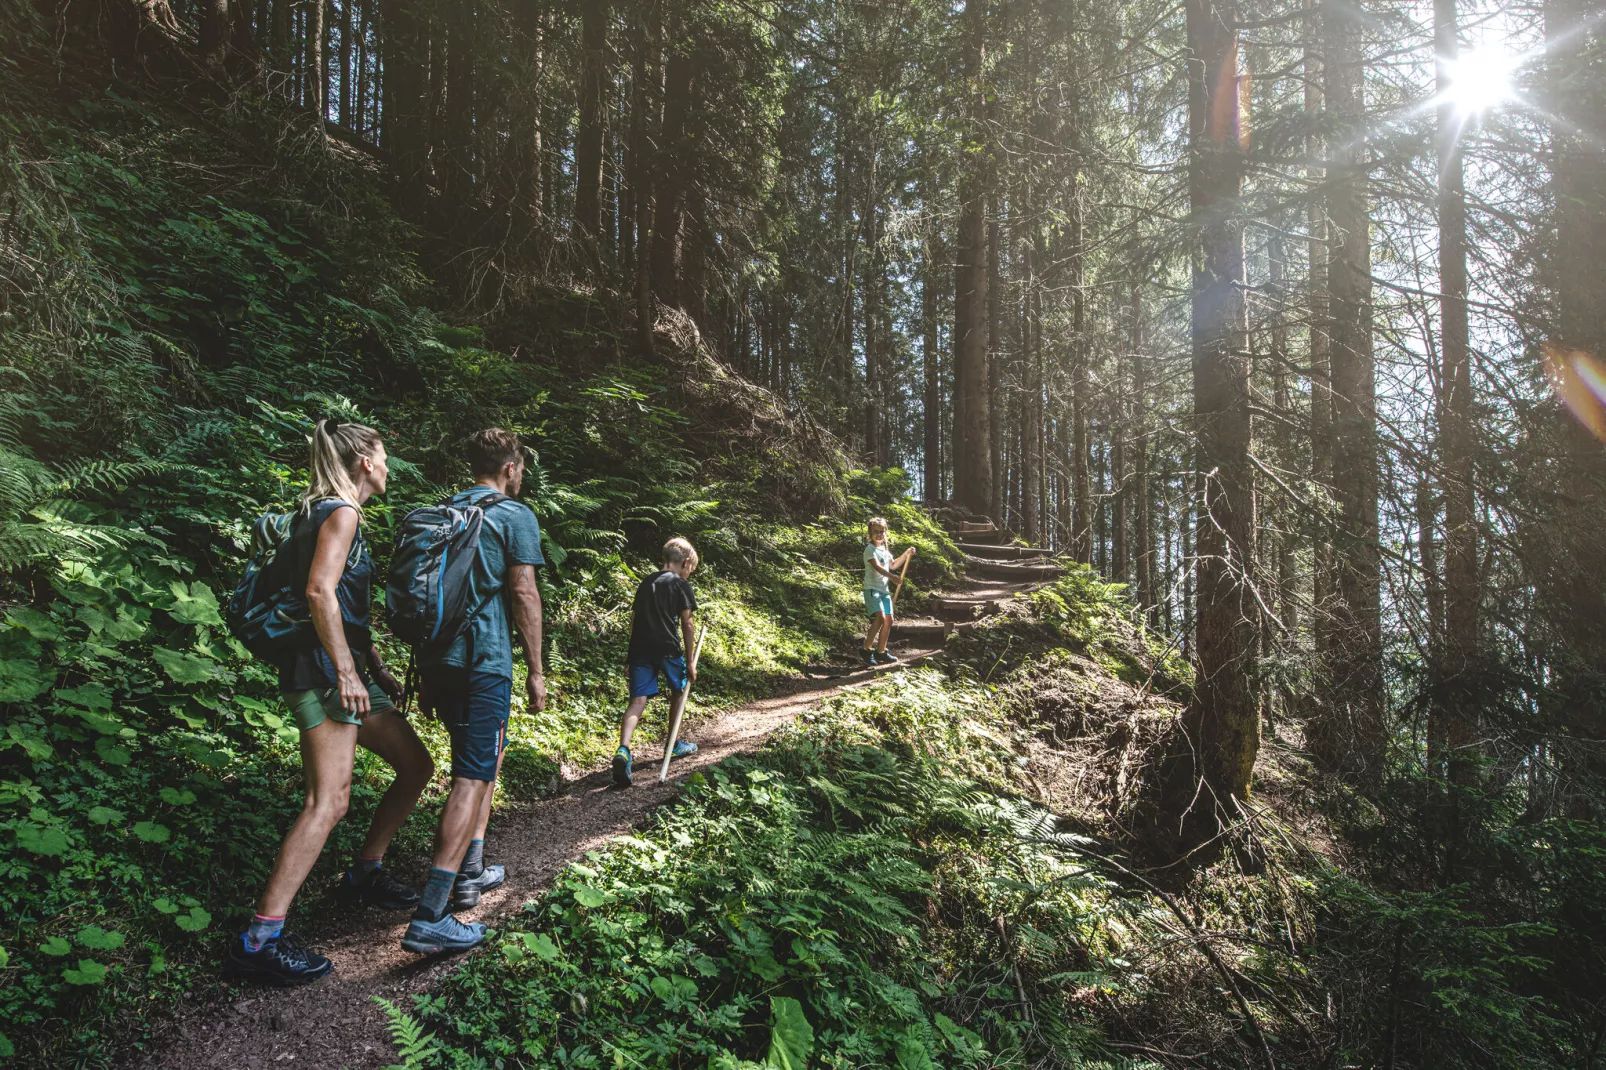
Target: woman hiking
{"x": 342, "y": 697}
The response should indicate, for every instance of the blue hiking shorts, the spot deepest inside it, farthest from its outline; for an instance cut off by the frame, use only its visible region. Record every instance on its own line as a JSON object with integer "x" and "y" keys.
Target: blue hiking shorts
{"x": 473, "y": 707}
{"x": 877, "y": 602}
{"x": 644, "y": 678}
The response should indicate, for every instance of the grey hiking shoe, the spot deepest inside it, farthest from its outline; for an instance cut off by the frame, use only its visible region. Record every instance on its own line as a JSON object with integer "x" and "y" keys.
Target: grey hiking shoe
{"x": 467, "y": 891}
{"x": 436, "y": 937}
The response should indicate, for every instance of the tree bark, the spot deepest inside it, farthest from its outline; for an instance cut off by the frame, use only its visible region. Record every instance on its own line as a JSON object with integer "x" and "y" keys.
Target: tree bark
{"x": 931, "y": 409}
{"x": 1321, "y": 393}
{"x": 1458, "y": 698}
{"x": 1222, "y": 723}
{"x": 214, "y": 33}
{"x": 973, "y": 472}
{"x": 405, "y": 127}
{"x": 593, "y": 122}
{"x": 995, "y": 348}
{"x": 457, "y": 136}
{"x": 1143, "y": 528}
{"x": 315, "y": 94}
{"x": 1350, "y": 737}
{"x": 675, "y": 172}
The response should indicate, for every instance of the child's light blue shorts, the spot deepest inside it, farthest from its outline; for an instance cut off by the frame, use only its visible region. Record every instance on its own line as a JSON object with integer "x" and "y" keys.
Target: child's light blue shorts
{"x": 877, "y": 602}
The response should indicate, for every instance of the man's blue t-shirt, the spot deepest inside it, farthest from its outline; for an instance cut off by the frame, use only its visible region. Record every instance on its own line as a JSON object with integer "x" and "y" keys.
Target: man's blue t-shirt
{"x": 511, "y": 536}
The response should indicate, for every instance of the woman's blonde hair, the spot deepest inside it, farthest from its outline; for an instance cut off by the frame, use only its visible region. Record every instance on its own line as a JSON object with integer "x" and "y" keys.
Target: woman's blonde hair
{"x": 336, "y": 449}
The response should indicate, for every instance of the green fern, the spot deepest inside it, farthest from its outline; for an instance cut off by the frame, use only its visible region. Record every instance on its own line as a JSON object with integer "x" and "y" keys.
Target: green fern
{"x": 418, "y": 1050}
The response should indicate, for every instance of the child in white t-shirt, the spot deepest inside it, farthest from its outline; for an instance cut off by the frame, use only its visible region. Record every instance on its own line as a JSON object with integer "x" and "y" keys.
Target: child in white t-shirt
{"x": 879, "y": 570}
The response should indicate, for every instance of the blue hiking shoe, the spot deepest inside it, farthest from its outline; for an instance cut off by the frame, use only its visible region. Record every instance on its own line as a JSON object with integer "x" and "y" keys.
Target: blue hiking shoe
{"x": 467, "y": 891}
{"x": 621, "y": 768}
{"x": 436, "y": 937}
{"x": 684, "y": 748}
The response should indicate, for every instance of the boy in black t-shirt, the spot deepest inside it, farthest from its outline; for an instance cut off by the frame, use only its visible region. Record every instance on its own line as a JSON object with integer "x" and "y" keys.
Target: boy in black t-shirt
{"x": 660, "y": 619}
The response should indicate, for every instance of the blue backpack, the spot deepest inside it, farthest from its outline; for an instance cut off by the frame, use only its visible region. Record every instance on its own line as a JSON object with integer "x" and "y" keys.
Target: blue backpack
{"x": 427, "y": 594}
{"x": 267, "y": 613}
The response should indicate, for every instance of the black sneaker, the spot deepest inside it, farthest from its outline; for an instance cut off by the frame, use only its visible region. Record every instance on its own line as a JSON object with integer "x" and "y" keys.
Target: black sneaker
{"x": 281, "y": 961}
{"x": 621, "y": 768}
{"x": 467, "y": 891}
{"x": 868, "y": 655}
{"x": 378, "y": 889}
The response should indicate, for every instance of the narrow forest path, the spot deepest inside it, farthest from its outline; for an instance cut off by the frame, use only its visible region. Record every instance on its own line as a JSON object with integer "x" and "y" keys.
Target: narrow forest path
{"x": 334, "y": 1022}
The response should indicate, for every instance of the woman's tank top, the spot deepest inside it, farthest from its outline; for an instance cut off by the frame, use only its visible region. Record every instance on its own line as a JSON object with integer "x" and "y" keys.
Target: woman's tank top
{"x": 311, "y": 666}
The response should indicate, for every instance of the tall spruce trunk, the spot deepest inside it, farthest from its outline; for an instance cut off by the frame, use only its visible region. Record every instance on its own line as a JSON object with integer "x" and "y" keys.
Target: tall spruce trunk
{"x": 315, "y": 94}
{"x": 931, "y": 408}
{"x": 1459, "y": 658}
{"x": 973, "y": 473}
{"x": 1143, "y": 530}
{"x": 593, "y": 117}
{"x": 457, "y": 133}
{"x": 676, "y": 170}
{"x": 1349, "y": 736}
{"x": 874, "y": 340}
{"x": 1222, "y": 723}
{"x": 214, "y": 32}
{"x": 995, "y": 347}
{"x": 1321, "y": 394}
{"x": 1081, "y": 484}
{"x": 405, "y": 114}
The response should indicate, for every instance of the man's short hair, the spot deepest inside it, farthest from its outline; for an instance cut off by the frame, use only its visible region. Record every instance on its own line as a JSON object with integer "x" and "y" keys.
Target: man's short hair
{"x": 489, "y": 451}
{"x": 677, "y": 550}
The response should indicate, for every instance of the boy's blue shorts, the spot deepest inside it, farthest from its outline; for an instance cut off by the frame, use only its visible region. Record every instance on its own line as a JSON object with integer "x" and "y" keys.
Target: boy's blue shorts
{"x": 877, "y": 602}
{"x": 644, "y": 678}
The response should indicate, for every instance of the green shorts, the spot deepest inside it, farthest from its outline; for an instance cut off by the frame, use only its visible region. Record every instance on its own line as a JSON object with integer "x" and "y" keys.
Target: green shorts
{"x": 315, "y": 705}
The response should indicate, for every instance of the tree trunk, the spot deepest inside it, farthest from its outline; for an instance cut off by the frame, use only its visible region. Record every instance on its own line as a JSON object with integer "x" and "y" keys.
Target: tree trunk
{"x": 646, "y": 34}
{"x": 1350, "y": 736}
{"x": 675, "y": 172}
{"x": 931, "y": 409}
{"x": 1321, "y": 394}
{"x": 214, "y": 33}
{"x": 873, "y": 362}
{"x": 1143, "y": 531}
{"x": 972, "y": 452}
{"x": 1457, "y": 694}
{"x": 1222, "y": 723}
{"x": 315, "y": 95}
{"x": 593, "y": 124}
{"x": 405, "y": 128}
{"x": 457, "y": 166}
{"x": 1081, "y": 491}
{"x": 995, "y": 348}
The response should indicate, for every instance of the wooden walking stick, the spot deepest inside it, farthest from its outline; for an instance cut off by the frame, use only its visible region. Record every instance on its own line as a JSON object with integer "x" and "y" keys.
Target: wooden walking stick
{"x": 901, "y": 574}
{"x": 678, "y": 706}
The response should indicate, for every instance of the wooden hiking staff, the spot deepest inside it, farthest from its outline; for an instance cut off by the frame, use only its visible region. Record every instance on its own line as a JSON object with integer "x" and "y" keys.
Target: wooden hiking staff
{"x": 678, "y": 706}
{"x": 901, "y": 574}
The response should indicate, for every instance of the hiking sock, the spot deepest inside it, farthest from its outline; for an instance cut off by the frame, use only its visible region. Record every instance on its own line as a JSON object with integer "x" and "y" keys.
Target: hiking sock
{"x": 437, "y": 890}
{"x": 261, "y": 930}
{"x": 362, "y": 867}
{"x": 473, "y": 862}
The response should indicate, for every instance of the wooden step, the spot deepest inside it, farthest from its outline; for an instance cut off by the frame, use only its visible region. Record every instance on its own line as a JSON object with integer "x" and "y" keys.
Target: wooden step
{"x": 966, "y": 527}
{"x": 991, "y": 538}
{"x": 982, "y": 549}
{"x": 1008, "y": 570}
{"x": 923, "y": 630}
{"x": 958, "y": 607}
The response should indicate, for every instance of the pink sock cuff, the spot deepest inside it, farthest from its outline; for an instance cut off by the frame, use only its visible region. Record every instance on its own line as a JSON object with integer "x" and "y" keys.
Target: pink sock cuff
{"x": 370, "y": 858}
{"x": 264, "y": 917}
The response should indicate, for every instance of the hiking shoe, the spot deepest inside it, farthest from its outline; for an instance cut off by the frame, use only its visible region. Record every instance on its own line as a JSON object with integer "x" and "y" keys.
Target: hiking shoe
{"x": 378, "y": 889}
{"x": 887, "y": 657}
{"x": 466, "y": 892}
{"x": 684, "y": 748}
{"x": 868, "y": 655}
{"x": 621, "y": 768}
{"x": 448, "y": 934}
{"x": 281, "y": 961}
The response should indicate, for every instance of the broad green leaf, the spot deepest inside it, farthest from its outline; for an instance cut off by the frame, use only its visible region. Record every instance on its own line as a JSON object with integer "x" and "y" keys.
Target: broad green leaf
{"x": 195, "y": 605}
{"x": 104, "y": 815}
{"x": 5, "y": 958}
{"x": 37, "y": 624}
{"x": 127, "y": 627}
{"x": 513, "y": 953}
{"x": 791, "y": 1036}
{"x": 106, "y": 726}
{"x": 912, "y": 1053}
{"x": 184, "y": 668}
{"x": 89, "y": 972}
{"x": 27, "y": 737}
{"x": 152, "y": 832}
{"x": 175, "y": 797}
{"x": 165, "y": 906}
{"x": 44, "y": 840}
{"x": 22, "y": 680}
{"x": 110, "y": 753}
{"x": 542, "y": 945}
{"x": 193, "y": 922}
{"x": 97, "y": 939}
{"x": 765, "y": 966}
{"x": 90, "y": 696}
{"x": 57, "y": 946}
{"x": 7, "y": 1049}
{"x": 588, "y": 896}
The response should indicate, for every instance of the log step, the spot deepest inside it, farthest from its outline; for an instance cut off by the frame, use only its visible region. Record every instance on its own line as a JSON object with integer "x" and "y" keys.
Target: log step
{"x": 992, "y": 537}
{"x": 952, "y": 607}
{"x": 937, "y": 630}
{"x": 1007, "y": 570}
{"x": 982, "y": 549}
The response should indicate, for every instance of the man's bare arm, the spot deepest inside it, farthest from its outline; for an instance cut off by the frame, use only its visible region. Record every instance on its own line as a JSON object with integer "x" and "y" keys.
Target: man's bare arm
{"x": 524, "y": 601}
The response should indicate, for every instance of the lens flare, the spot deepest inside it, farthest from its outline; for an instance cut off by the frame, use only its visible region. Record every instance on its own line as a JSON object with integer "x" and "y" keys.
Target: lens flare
{"x": 1580, "y": 382}
{"x": 1478, "y": 81}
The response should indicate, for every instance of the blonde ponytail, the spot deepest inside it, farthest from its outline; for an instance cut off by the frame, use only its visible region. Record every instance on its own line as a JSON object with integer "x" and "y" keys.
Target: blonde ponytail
{"x": 336, "y": 449}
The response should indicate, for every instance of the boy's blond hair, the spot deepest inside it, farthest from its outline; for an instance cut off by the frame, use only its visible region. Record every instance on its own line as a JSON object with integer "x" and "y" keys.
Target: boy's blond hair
{"x": 876, "y": 524}
{"x": 677, "y": 550}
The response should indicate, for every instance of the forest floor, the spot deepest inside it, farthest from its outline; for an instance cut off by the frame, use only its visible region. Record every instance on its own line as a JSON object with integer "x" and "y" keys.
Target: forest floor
{"x": 335, "y": 1022}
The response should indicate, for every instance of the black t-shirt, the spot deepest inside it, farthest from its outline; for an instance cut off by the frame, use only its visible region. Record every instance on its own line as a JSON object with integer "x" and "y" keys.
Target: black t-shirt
{"x": 310, "y": 666}
{"x": 655, "y": 618}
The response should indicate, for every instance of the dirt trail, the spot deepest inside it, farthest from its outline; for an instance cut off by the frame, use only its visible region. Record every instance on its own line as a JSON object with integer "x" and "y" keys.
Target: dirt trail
{"x": 334, "y": 1022}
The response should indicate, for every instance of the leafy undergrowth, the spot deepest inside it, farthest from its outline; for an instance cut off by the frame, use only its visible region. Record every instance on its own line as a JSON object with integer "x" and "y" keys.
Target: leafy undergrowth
{"x": 178, "y": 326}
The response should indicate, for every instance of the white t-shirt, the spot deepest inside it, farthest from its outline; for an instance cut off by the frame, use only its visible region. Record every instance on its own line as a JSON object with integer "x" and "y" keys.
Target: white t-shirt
{"x": 873, "y": 580}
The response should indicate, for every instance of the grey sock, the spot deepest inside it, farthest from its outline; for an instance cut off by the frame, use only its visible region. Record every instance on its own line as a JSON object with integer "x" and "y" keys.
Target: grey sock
{"x": 364, "y": 866}
{"x": 437, "y": 890}
{"x": 474, "y": 861}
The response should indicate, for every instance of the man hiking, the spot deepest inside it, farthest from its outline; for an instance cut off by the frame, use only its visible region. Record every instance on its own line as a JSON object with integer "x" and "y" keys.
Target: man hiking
{"x": 470, "y": 688}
